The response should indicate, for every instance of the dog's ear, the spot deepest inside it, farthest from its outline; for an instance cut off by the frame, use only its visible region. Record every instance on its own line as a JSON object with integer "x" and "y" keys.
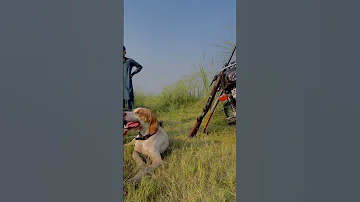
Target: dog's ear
{"x": 154, "y": 123}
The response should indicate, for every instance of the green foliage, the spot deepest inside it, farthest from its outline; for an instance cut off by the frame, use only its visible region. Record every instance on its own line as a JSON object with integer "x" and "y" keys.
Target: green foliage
{"x": 205, "y": 77}
{"x": 202, "y": 168}
{"x": 184, "y": 92}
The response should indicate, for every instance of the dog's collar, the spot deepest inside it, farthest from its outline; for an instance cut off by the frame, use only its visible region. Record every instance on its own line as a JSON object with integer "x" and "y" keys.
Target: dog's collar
{"x": 140, "y": 137}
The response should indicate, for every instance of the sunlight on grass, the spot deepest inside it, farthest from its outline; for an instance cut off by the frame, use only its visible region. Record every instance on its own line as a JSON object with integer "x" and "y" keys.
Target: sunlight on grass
{"x": 198, "y": 169}
{"x": 202, "y": 168}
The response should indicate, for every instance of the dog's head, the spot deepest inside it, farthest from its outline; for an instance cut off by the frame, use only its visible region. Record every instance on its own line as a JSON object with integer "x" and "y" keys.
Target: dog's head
{"x": 140, "y": 118}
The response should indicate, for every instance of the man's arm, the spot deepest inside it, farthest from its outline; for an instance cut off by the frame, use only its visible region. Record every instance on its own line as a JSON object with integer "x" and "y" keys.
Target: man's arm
{"x": 137, "y": 66}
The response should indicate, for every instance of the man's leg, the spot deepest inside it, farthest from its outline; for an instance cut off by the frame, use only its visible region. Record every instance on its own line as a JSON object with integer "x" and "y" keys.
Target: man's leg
{"x": 130, "y": 104}
{"x": 127, "y": 105}
{"x": 131, "y": 96}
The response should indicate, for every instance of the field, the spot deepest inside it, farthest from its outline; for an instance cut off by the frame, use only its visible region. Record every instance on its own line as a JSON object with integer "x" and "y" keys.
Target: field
{"x": 202, "y": 168}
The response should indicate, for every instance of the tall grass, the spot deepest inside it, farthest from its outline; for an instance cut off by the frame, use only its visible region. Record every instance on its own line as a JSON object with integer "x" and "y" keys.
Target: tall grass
{"x": 184, "y": 92}
{"x": 188, "y": 89}
{"x": 227, "y": 47}
{"x": 204, "y": 75}
{"x": 197, "y": 169}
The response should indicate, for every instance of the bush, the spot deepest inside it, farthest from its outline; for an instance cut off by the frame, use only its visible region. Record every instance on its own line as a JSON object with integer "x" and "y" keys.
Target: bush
{"x": 186, "y": 91}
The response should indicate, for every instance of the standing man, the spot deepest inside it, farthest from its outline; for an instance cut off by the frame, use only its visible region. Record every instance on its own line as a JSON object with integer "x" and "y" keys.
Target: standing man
{"x": 128, "y": 86}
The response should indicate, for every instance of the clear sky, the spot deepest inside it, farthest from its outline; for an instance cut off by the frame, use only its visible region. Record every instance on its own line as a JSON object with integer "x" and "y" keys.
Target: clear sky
{"x": 168, "y": 37}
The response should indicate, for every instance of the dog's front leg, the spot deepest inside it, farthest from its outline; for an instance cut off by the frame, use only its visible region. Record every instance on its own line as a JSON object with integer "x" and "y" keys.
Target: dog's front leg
{"x": 137, "y": 158}
{"x": 156, "y": 162}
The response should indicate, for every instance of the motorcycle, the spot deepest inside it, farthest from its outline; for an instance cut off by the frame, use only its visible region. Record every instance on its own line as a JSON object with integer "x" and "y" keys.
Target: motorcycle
{"x": 228, "y": 85}
{"x": 225, "y": 88}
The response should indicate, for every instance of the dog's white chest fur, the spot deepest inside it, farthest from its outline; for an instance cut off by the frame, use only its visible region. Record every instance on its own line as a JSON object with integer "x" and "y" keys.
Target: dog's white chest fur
{"x": 156, "y": 143}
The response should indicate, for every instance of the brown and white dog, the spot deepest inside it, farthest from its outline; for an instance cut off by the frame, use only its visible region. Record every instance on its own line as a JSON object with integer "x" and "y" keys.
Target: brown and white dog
{"x": 151, "y": 141}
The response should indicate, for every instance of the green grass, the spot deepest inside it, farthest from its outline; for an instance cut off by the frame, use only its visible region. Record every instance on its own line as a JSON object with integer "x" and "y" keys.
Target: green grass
{"x": 202, "y": 168}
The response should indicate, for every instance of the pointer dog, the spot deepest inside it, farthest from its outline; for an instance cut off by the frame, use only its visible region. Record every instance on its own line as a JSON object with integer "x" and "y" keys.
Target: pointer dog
{"x": 151, "y": 141}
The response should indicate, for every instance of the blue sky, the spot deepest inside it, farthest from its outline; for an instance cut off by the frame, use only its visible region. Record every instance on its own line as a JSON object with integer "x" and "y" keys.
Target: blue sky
{"x": 169, "y": 37}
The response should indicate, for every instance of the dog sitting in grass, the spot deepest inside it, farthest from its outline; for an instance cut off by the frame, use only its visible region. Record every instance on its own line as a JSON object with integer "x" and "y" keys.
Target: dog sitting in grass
{"x": 151, "y": 141}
